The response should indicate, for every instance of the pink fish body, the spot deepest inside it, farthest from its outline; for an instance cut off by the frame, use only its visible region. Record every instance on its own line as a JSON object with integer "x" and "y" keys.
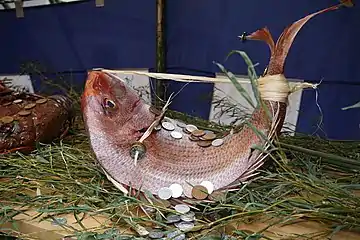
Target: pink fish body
{"x": 112, "y": 132}
{"x": 116, "y": 117}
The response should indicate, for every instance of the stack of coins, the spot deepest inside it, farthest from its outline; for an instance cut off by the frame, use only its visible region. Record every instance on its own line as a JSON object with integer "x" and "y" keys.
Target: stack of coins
{"x": 175, "y": 190}
{"x": 203, "y": 138}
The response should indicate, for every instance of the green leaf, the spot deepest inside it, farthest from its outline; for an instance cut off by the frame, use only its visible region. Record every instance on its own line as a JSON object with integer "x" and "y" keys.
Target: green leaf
{"x": 251, "y": 72}
{"x": 237, "y": 85}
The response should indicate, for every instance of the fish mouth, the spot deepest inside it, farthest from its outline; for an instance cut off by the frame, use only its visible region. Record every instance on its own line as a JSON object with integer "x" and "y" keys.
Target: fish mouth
{"x": 96, "y": 83}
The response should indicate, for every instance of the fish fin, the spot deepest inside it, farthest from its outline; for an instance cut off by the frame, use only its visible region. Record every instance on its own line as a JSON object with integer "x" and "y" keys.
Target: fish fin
{"x": 282, "y": 47}
{"x": 263, "y": 35}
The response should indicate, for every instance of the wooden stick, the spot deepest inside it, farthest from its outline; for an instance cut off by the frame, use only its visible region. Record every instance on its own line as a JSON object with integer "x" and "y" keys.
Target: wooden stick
{"x": 99, "y": 3}
{"x": 19, "y": 8}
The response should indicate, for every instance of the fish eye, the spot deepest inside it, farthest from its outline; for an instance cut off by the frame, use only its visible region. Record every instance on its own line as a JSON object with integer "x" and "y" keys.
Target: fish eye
{"x": 109, "y": 103}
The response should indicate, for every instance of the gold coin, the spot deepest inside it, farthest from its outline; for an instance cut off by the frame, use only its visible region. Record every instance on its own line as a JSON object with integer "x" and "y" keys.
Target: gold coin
{"x": 30, "y": 106}
{"x": 18, "y": 101}
{"x": 204, "y": 143}
{"x": 198, "y": 133}
{"x": 7, "y": 119}
{"x": 193, "y": 138}
{"x": 209, "y": 136}
{"x": 24, "y": 113}
{"x": 155, "y": 110}
{"x": 199, "y": 192}
{"x": 41, "y": 101}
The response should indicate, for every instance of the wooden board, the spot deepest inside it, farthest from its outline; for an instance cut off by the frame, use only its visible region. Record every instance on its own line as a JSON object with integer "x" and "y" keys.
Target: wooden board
{"x": 32, "y": 228}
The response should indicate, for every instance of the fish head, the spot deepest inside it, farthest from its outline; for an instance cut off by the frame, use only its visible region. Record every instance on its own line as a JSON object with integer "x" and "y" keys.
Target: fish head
{"x": 113, "y": 110}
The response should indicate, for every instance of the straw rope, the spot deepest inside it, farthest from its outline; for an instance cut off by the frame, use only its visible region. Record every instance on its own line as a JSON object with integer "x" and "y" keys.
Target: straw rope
{"x": 271, "y": 87}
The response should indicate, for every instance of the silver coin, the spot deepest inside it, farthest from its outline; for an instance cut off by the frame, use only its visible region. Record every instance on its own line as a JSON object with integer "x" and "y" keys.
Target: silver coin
{"x": 156, "y": 234}
{"x": 180, "y": 237}
{"x": 217, "y": 142}
{"x": 208, "y": 131}
{"x": 149, "y": 209}
{"x": 181, "y": 124}
{"x": 184, "y": 226}
{"x": 182, "y": 208}
{"x": 175, "y": 235}
{"x": 173, "y": 218}
{"x": 176, "y": 189}
{"x": 208, "y": 185}
{"x": 168, "y": 126}
{"x": 164, "y": 193}
{"x": 189, "y": 214}
{"x": 176, "y": 135}
{"x": 191, "y": 127}
{"x": 59, "y": 221}
{"x": 187, "y": 219}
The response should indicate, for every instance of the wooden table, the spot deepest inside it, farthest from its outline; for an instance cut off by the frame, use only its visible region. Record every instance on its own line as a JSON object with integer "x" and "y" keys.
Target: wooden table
{"x": 34, "y": 229}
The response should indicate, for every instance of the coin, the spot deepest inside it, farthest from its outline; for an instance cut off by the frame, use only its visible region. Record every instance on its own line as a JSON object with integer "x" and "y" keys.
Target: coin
{"x": 24, "y": 113}
{"x": 7, "y": 119}
{"x": 59, "y": 221}
{"x": 30, "y": 106}
{"x": 164, "y": 193}
{"x": 155, "y": 110}
{"x": 184, "y": 226}
{"x": 173, "y": 218}
{"x": 156, "y": 234}
{"x": 208, "y": 131}
{"x": 209, "y": 186}
{"x": 209, "y": 136}
{"x": 176, "y": 135}
{"x": 176, "y": 190}
{"x": 188, "y": 217}
{"x": 191, "y": 128}
{"x": 157, "y": 128}
{"x": 186, "y": 131}
{"x": 18, "y": 101}
{"x": 204, "y": 143}
{"x": 193, "y": 138}
{"x": 41, "y": 101}
{"x": 181, "y": 124}
{"x": 199, "y": 192}
{"x": 149, "y": 209}
{"x": 189, "y": 214}
{"x": 175, "y": 235}
{"x": 198, "y": 133}
{"x": 168, "y": 126}
{"x": 217, "y": 142}
{"x": 182, "y": 208}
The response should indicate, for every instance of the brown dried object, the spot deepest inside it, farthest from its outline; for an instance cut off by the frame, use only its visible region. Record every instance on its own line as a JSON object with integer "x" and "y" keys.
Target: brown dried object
{"x": 27, "y": 118}
{"x": 115, "y": 118}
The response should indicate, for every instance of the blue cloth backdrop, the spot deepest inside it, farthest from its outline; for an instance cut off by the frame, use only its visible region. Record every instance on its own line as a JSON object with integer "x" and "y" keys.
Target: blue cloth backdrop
{"x": 78, "y": 36}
